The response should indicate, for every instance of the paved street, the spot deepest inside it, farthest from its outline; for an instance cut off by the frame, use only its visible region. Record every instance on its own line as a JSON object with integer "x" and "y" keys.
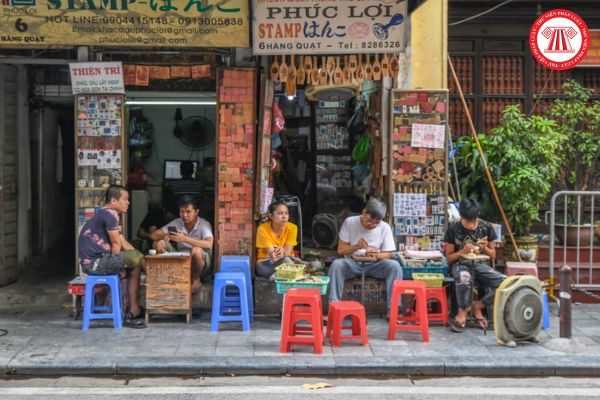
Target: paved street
{"x": 260, "y": 387}
{"x": 43, "y": 340}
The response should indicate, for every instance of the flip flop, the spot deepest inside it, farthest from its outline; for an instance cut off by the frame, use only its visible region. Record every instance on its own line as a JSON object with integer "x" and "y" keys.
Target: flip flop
{"x": 456, "y": 326}
{"x": 483, "y": 324}
{"x": 134, "y": 324}
{"x": 131, "y": 317}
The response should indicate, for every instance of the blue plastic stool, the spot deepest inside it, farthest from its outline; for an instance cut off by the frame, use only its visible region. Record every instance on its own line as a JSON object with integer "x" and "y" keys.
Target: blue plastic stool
{"x": 114, "y": 310}
{"x": 545, "y": 311}
{"x": 222, "y": 281}
{"x": 230, "y": 296}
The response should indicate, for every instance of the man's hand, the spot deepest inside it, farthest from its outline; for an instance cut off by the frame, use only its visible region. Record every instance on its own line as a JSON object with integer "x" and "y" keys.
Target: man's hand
{"x": 160, "y": 244}
{"x": 362, "y": 244}
{"x": 372, "y": 252}
{"x": 483, "y": 242}
{"x": 469, "y": 248}
{"x": 178, "y": 237}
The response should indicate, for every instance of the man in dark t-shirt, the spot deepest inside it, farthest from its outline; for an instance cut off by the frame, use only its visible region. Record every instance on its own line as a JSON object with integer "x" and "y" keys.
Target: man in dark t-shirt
{"x": 102, "y": 235}
{"x": 471, "y": 235}
{"x": 156, "y": 218}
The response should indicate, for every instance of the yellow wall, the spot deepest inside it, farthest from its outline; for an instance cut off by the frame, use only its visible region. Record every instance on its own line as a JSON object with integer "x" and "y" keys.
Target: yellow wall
{"x": 429, "y": 41}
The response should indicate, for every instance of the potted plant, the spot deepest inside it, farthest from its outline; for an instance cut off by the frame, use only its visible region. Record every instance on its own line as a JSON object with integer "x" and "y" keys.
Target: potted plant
{"x": 578, "y": 119}
{"x": 524, "y": 160}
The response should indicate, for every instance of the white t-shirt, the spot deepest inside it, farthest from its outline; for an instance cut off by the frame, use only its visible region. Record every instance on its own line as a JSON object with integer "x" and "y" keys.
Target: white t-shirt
{"x": 380, "y": 237}
{"x": 201, "y": 230}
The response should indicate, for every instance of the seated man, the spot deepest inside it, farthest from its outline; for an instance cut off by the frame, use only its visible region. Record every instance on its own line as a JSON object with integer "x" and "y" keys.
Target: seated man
{"x": 365, "y": 235}
{"x": 190, "y": 233}
{"x": 187, "y": 184}
{"x": 156, "y": 218}
{"x": 104, "y": 251}
{"x": 471, "y": 235}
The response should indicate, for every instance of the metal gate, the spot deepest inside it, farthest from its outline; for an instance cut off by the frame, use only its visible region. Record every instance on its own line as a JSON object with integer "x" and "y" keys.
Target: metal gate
{"x": 579, "y": 235}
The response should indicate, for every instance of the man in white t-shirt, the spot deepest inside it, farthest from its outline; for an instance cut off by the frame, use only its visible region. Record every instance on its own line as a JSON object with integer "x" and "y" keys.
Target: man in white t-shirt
{"x": 365, "y": 235}
{"x": 188, "y": 233}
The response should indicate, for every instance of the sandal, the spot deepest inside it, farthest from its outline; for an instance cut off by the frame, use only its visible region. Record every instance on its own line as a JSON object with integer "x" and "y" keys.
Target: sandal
{"x": 129, "y": 316}
{"x": 134, "y": 324}
{"x": 458, "y": 327}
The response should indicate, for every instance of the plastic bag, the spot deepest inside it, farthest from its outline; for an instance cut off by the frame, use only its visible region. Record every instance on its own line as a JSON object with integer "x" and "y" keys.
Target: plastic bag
{"x": 278, "y": 120}
{"x": 361, "y": 149}
{"x": 137, "y": 179}
{"x": 356, "y": 123}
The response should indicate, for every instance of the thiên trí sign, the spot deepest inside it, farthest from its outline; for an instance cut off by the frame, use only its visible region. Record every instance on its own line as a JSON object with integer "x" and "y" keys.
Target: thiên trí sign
{"x": 327, "y": 27}
{"x": 168, "y": 23}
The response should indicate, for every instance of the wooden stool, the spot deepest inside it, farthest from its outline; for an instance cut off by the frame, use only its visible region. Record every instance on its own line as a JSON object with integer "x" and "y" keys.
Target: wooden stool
{"x": 338, "y": 311}
{"x": 521, "y": 268}
{"x": 302, "y": 305}
{"x": 416, "y": 289}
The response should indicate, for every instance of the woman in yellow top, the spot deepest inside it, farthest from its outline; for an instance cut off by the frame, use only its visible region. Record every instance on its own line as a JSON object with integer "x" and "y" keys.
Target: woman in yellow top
{"x": 275, "y": 240}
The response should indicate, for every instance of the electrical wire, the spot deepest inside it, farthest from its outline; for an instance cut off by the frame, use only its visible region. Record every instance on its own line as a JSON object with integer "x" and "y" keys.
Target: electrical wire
{"x": 480, "y": 14}
{"x": 539, "y": 97}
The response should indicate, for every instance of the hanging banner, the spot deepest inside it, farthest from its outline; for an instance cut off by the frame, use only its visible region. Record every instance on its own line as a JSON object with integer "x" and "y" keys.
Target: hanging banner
{"x": 97, "y": 77}
{"x": 333, "y": 27}
{"x": 170, "y": 23}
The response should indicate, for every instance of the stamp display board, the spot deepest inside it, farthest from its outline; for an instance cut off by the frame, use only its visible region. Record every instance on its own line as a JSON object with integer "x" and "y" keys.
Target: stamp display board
{"x": 169, "y": 285}
{"x": 418, "y": 164}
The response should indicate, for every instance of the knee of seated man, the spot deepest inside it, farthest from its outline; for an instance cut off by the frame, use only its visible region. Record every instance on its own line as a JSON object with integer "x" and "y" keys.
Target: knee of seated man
{"x": 197, "y": 251}
{"x": 337, "y": 264}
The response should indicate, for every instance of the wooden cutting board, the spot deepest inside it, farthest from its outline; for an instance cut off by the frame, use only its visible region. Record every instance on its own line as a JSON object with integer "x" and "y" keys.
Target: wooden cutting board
{"x": 368, "y": 68}
{"x": 330, "y": 68}
{"x": 385, "y": 65}
{"x": 376, "y": 69}
{"x": 275, "y": 70}
{"x": 338, "y": 76}
{"x": 301, "y": 72}
{"x": 283, "y": 70}
{"x": 308, "y": 66}
{"x": 394, "y": 66}
{"x": 360, "y": 70}
{"x": 352, "y": 64}
{"x": 323, "y": 72}
{"x": 314, "y": 74}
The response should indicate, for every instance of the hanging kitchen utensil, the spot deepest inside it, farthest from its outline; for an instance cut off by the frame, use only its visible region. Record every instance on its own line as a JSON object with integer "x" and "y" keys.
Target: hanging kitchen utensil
{"x": 314, "y": 74}
{"x": 360, "y": 70}
{"x": 347, "y": 76}
{"x": 323, "y": 72}
{"x": 352, "y": 64}
{"x": 385, "y": 65}
{"x": 300, "y": 72}
{"x": 291, "y": 79}
{"x": 275, "y": 70}
{"x": 330, "y": 68}
{"x": 376, "y": 69}
{"x": 308, "y": 66}
{"x": 368, "y": 68}
{"x": 337, "y": 74}
{"x": 394, "y": 66}
{"x": 283, "y": 69}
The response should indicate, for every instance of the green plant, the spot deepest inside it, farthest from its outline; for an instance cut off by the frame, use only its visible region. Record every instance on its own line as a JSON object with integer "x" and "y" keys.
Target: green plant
{"x": 524, "y": 159}
{"x": 578, "y": 119}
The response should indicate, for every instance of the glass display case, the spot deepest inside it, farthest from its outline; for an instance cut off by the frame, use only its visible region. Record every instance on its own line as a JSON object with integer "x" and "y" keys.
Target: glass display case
{"x": 99, "y": 147}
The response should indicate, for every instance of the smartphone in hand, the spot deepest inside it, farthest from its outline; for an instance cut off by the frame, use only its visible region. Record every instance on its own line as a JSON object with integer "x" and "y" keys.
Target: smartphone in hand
{"x": 172, "y": 229}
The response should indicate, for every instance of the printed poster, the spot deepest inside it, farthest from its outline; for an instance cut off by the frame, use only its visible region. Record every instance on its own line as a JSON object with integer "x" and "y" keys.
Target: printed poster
{"x": 428, "y": 135}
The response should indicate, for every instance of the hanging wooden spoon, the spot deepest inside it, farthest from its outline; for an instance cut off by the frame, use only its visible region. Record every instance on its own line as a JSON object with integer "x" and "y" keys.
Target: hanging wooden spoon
{"x": 308, "y": 66}
{"x": 352, "y": 67}
{"x": 376, "y": 68}
{"x": 368, "y": 68}
{"x": 301, "y": 72}
{"x": 283, "y": 70}
{"x": 385, "y": 65}
{"x": 338, "y": 73}
{"x": 330, "y": 68}
{"x": 314, "y": 78}
{"x": 360, "y": 71}
{"x": 323, "y": 72}
{"x": 292, "y": 72}
{"x": 347, "y": 77}
{"x": 394, "y": 66}
{"x": 275, "y": 70}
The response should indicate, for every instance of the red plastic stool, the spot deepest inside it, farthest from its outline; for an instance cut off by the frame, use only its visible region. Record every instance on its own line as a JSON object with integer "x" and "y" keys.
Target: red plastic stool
{"x": 302, "y": 305}
{"x": 438, "y": 295}
{"x": 416, "y": 289}
{"x": 338, "y": 311}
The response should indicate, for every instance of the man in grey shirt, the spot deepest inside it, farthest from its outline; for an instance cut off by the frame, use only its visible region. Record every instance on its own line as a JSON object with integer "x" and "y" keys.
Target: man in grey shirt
{"x": 188, "y": 233}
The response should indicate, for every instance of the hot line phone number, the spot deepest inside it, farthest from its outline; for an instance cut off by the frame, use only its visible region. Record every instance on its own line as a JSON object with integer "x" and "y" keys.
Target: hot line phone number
{"x": 380, "y": 45}
{"x": 173, "y": 20}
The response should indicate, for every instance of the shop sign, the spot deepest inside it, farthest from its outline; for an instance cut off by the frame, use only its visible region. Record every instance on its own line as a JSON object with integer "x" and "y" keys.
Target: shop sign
{"x": 171, "y": 23}
{"x": 592, "y": 58}
{"x": 97, "y": 77}
{"x": 328, "y": 27}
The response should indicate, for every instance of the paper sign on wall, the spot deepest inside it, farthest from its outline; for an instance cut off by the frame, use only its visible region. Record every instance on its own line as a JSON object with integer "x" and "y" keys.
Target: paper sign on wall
{"x": 97, "y": 77}
{"x": 410, "y": 205}
{"x": 428, "y": 135}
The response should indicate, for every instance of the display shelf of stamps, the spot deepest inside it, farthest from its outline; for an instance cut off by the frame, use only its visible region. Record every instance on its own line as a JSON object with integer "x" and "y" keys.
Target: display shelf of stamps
{"x": 99, "y": 147}
{"x": 418, "y": 181}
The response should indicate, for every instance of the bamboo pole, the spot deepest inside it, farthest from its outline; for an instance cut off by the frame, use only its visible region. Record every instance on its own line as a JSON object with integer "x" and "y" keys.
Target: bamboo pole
{"x": 480, "y": 150}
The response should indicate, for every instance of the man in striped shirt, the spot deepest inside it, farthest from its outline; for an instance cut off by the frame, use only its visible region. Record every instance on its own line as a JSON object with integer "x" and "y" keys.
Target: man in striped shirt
{"x": 187, "y": 184}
